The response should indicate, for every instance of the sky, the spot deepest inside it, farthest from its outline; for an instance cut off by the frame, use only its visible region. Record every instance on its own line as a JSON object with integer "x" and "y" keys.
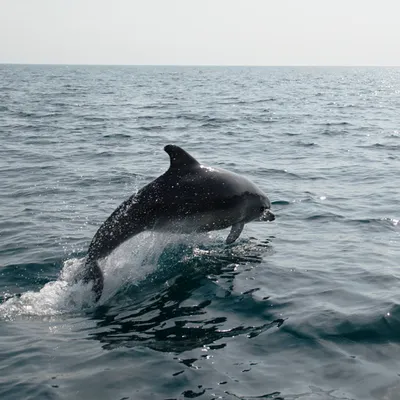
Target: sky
{"x": 206, "y": 32}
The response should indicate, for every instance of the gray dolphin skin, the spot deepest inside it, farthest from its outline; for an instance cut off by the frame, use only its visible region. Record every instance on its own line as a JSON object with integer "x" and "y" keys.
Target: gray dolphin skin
{"x": 189, "y": 197}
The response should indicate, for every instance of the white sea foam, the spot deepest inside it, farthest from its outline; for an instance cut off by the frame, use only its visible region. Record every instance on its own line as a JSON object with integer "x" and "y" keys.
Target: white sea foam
{"x": 127, "y": 265}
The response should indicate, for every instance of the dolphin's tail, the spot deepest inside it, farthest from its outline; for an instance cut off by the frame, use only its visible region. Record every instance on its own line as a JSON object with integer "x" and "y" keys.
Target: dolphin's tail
{"x": 93, "y": 273}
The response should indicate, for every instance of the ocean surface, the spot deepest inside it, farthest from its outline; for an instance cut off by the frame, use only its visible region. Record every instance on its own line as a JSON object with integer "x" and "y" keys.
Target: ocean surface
{"x": 304, "y": 307}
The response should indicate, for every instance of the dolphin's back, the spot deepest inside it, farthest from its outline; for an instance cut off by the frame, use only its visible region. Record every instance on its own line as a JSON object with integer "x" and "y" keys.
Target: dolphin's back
{"x": 198, "y": 189}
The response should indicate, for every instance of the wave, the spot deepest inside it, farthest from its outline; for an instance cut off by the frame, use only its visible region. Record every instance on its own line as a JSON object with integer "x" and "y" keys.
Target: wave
{"x": 26, "y": 114}
{"x": 151, "y": 128}
{"x": 306, "y": 144}
{"x": 342, "y": 123}
{"x": 156, "y": 106}
{"x": 283, "y": 172}
{"x": 381, "y": 146}
{"x": 91, "y": 118}
{"x": 383, "y": 222}
{"x": 261, "y": 119}
{"x": 371, "y": 327}
{"x": 280, "y": 203}
{"x": 274, "y": 172}
{"x": 330, "y": 216}
{"x": 117, "y": 136}
{"x": 244, "y": 102}
{"x": 381, "y": 329}
{"x": 205, "y": 118}
{"x": 324, "y": 217}
{"x": 40, "y": 115}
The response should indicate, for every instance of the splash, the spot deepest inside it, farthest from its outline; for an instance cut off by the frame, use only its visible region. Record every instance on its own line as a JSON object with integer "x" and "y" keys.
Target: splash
{"x": 128, "y": 265}
{"x": 54, "y": 298}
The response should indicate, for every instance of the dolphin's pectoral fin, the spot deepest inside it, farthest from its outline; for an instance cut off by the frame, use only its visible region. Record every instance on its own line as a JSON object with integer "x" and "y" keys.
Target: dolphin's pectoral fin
{"x": 235, "y": 232}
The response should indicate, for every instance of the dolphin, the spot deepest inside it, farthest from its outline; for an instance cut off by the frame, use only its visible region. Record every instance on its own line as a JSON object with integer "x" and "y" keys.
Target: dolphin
{"x": 188, "y": 197}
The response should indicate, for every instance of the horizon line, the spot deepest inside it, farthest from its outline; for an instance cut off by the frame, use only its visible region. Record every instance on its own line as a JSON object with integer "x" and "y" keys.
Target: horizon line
{"x": 212, "y": 65}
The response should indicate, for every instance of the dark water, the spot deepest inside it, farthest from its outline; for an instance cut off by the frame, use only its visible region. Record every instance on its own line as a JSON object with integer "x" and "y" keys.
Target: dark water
{"x": 306, "y": 307}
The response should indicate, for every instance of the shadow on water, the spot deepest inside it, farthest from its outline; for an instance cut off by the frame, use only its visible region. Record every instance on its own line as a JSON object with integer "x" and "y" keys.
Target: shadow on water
{"x": 192, "y": 308}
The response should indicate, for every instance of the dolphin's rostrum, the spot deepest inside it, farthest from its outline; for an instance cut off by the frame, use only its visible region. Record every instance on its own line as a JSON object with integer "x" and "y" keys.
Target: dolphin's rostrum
{"x": 189, "y": 197}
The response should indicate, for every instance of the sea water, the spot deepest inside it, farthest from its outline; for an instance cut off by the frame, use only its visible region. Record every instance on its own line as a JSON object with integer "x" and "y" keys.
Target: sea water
{"x": 305, "y": 307}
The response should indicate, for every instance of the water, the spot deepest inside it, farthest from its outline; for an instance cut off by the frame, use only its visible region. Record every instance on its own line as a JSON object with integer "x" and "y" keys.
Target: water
{"x": 305, "y": 307}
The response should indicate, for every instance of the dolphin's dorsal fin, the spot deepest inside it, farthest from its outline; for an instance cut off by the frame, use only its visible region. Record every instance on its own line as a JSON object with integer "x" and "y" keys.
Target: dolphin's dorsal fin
{"x": 180, "y": 158}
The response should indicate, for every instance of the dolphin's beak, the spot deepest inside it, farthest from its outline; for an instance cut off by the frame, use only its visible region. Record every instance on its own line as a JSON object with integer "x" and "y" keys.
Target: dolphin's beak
{"x": 267, "y": 216}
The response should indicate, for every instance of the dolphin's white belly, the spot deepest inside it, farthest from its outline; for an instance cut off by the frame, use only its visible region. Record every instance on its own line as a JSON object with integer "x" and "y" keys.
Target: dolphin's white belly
{"x": 201, "y": 222}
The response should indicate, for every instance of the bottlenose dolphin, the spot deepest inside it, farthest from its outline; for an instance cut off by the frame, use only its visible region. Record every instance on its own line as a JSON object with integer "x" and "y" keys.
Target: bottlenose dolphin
{"x": 189, "y": 197}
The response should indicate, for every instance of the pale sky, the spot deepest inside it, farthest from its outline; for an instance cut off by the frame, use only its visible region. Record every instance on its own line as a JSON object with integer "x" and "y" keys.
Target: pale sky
{"x": 206, "y": 32}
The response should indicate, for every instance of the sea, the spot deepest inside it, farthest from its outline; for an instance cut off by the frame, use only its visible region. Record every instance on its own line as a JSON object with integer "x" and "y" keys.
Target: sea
{"x": 305, "y": 307}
